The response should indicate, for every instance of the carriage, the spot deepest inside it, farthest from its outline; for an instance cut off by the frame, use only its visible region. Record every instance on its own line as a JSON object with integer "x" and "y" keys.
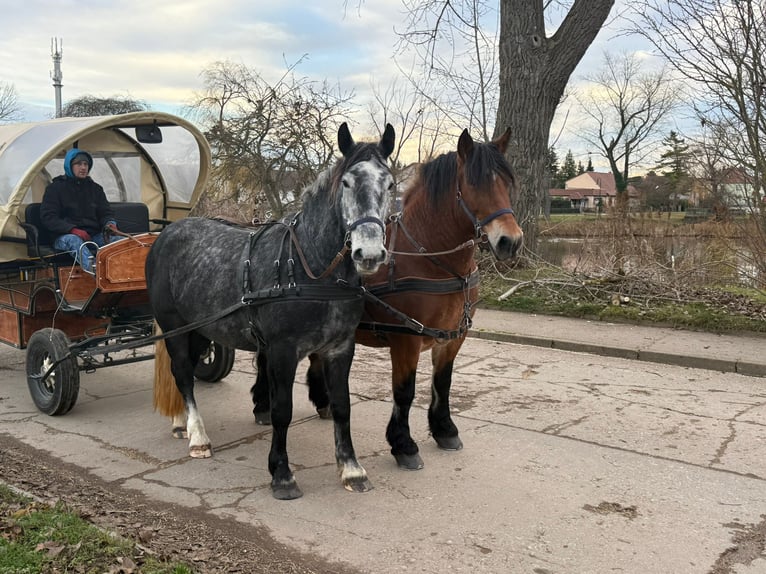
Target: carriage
{"x": 153, "y": 167}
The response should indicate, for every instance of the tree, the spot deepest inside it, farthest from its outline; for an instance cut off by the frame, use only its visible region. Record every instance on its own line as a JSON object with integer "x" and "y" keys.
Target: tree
{"x": 569, "y": 169}
{"x": 10, "y": 110}
{"x": 458, "y": 57}
{"x": 533, "y": 70}
{"x": 553, "y": 169}
{"x": 626, "y": 109}
{"x": 718, "y": 47}
{"x": 86, "y": 106}
{"x": 409, "y": 110}
{"x": 674, "y": 164}
{"x": 269, "y": 139}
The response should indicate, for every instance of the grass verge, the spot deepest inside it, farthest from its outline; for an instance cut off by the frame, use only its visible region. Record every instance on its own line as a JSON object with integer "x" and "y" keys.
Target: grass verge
{"x": 36, "y": 538}
{"x": 713, "y": 309}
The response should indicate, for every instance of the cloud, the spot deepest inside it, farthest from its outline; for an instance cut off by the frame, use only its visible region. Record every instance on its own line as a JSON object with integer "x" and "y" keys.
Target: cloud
{"x": 155, "y": 51}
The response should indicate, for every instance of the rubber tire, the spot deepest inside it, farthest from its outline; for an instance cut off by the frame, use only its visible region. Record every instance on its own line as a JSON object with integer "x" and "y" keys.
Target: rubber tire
{"x": 59, "y": 395}
{"x": 215, "y": 364}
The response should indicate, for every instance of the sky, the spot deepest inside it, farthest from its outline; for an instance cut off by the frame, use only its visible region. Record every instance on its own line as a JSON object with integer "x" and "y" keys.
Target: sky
{"x": 154, "y": 51}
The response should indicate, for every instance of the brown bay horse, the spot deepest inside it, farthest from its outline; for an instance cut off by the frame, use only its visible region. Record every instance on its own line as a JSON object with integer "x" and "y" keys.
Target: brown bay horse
{"x": 424, "y": 297}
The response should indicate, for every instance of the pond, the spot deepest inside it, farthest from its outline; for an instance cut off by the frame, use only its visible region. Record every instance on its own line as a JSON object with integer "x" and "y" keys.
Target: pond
{"x": 704, "y": 260}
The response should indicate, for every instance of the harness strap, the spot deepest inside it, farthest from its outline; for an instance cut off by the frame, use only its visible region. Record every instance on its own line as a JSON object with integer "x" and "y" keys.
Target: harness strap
{"x": 437, "y": 286}
{"x": 409, "y": 325}
{"x": 336, "y": 291}
{"x": 330, "y": 268}
{"x": 422, "y": 252}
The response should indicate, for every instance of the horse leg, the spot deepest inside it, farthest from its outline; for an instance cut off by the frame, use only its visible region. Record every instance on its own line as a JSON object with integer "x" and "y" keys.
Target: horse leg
{"x": 315, "y": 379}
{"x": 405, "y": 352}
{"x": 442, "y": 428}
{"x": 260, "y": 393}
{"x": 185, "y": 351}
{"x": 179, "y": 426}
{"x": 280, "y": 373}
{"x": 336, "y": 370}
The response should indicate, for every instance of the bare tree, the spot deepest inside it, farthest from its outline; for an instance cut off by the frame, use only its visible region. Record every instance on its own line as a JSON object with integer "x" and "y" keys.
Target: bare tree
{"x": 86, "y": 106}
{"x": 399, "y": 106}
{"x": 627, "y": 109}
{"x": 421, "y": 124}
{"x": 458, "y": 56}
{"x": 719, "y": 47}
{"x": 533, "y": 69}
{"x": 10, "y": 110}
{"x": 269, "y": 140}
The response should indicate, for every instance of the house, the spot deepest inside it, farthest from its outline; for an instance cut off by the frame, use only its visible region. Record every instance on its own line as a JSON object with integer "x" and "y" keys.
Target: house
{"x": 588, "y": 191}
{"x": 737, "y": 190}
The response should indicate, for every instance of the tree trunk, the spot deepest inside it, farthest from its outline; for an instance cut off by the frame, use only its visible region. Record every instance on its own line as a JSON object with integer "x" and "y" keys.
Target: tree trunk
{"x": 534, "y": 71}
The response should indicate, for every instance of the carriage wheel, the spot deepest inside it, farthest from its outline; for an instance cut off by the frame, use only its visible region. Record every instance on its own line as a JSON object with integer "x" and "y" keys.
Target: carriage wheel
{"x": 215, "y": 363}
{"x": 57, "y": 394}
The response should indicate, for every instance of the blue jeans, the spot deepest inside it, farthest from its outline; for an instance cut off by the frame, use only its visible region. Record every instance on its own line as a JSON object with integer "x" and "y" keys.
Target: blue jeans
{"x": 82, "y": 250}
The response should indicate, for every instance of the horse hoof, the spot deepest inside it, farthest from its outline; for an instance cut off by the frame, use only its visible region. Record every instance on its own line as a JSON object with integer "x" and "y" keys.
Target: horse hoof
{"x": 180, "y": 432}
{"x": 325, "y": 412}
{"x": 357, "y": 485}
{"x": 287, "y": 491}
{"x": 263, "y": 418}
{"x": 200, "y": 451}
{"x": 409, "y": 461}
{"x": 449, "y": 442}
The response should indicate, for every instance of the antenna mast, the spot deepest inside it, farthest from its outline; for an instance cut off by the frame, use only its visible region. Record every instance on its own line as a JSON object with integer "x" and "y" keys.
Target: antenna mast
{"x": 57, "y": 52}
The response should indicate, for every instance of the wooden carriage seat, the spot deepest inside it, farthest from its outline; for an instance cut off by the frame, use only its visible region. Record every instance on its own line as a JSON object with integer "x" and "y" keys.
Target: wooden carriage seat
{"x": 132, "y": 217}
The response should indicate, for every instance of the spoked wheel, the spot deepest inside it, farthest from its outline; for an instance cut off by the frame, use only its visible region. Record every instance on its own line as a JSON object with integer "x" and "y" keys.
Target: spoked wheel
{"x": 215, "y": 363}
{"x": 57, "y": 393}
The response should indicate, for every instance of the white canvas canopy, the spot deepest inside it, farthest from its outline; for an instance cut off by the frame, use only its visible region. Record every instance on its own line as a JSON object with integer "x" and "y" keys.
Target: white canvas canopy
{"x": 129, "y": 163}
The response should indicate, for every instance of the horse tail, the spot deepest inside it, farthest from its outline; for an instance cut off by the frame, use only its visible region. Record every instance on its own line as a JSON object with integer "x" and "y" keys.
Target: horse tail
{"x": 167, "y": 398}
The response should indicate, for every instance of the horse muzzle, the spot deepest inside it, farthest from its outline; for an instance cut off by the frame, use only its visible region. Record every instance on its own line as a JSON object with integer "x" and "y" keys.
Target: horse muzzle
{"x": 367, "y": 238}
{"x": 367, "y": 261}
{"x": 505, "y": 246}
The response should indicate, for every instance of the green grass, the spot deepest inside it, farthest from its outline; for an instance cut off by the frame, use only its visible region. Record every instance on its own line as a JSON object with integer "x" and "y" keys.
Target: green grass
{"x": 37, "y": 538}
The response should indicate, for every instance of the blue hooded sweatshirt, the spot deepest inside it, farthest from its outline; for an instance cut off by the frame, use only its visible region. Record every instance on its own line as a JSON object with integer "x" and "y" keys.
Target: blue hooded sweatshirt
{"x": 70, "y": 202}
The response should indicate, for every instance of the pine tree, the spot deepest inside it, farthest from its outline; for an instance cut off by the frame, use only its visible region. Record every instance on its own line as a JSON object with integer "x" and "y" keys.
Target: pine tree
{"x": 569, "y": 170}
{"x": 674, "y": 165}
{"x": 553, "y": 168}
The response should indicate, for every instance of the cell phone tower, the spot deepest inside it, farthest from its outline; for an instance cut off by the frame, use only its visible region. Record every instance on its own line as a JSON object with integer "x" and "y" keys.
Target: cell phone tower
{"x": 57, "y": 51}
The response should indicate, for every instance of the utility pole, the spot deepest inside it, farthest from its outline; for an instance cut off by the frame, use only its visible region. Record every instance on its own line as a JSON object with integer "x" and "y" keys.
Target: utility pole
{"x": 57, "y": 52}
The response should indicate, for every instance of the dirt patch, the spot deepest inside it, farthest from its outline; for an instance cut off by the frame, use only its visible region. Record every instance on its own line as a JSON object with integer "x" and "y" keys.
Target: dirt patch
{"x": 206, "y": 543}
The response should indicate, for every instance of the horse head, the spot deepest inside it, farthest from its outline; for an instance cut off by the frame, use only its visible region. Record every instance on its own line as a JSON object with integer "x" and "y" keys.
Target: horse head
{"x": 486, "y": 185}
{"x": 365, "y": 186}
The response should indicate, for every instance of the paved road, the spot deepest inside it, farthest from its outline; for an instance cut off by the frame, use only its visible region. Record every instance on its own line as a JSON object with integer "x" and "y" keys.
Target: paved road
{"x": 573, "y": 462}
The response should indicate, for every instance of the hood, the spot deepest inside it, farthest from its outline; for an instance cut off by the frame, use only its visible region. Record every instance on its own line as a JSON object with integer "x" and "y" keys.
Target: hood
{"x": 70, "y": 155}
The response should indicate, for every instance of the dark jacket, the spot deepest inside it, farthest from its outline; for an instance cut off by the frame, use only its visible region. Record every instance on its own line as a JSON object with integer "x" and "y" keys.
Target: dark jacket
{"x": 70, "y": 202}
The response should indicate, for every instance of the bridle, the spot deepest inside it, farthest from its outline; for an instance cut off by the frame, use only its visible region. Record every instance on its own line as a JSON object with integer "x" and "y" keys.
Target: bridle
{"x": 361, "y": 221}
{"x": 478, "y": 225}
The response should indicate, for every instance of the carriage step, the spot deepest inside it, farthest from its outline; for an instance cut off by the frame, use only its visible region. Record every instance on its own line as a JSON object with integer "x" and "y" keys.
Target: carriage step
{"x": 73, "y": 305}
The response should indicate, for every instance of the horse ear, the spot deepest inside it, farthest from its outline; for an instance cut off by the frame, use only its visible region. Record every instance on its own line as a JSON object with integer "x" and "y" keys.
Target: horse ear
{"x": 465, "y": 145}
{"x": 345, "y": 141}
{"x": 387, "y": 141}
{"x": 501, "y": 142}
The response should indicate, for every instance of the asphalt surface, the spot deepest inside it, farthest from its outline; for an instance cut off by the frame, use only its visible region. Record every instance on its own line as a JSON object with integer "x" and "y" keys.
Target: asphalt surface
{"x": 589, "y": 448}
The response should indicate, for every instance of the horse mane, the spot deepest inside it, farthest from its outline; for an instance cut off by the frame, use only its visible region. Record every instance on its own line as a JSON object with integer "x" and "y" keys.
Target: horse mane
{"x": 439, "y": 175}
